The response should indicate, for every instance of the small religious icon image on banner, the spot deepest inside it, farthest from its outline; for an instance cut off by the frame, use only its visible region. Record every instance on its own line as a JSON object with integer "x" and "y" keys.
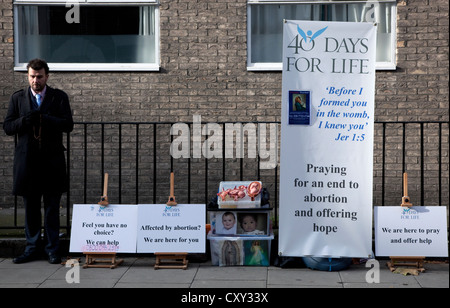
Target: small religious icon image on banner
{"x": 299, "y": 107}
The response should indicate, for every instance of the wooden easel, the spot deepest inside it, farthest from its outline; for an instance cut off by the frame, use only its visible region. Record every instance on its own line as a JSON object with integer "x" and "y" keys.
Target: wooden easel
{"x": 104, "y": 198}
{"x": 416, "y": 262}
{"x": 405, "y": 199}
{"x": 107, "y": 258}
{"x": 172, "y": 201}
{"x": 173, "y": 259}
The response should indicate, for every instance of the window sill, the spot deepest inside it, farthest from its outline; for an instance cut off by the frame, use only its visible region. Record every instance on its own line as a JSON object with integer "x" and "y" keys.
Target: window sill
{"x": 99, "y": 67}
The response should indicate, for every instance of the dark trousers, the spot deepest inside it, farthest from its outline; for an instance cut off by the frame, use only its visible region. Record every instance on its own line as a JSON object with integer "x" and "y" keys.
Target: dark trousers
{"x": 33, "y": 222}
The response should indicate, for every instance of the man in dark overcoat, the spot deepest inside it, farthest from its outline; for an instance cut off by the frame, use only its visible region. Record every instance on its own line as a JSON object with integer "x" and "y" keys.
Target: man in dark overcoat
{"x": 39, "y": 115}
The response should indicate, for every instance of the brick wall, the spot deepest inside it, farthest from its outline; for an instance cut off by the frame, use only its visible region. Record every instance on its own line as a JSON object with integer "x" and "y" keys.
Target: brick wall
{"x": 203, "y": 71}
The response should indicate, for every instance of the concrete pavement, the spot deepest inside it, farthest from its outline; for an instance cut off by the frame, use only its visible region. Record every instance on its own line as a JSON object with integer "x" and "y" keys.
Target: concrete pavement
{"x": 138, "y": 272}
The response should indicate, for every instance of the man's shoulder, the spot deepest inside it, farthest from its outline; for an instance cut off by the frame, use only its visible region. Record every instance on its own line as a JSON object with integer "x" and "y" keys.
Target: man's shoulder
{"x": 57, "y": 92}
{"x": 18, "y": 93}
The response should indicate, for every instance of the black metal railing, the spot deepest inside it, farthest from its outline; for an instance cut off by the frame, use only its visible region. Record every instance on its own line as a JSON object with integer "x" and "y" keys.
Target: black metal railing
{"x": 137, "y": 157}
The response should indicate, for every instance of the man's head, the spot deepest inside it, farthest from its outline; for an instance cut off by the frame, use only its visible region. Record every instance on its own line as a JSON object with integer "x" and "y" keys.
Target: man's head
{"x": 37, "y": 74}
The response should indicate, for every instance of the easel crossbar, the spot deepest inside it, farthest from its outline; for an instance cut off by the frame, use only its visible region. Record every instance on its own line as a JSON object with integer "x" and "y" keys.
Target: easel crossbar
{"x": 171, "y": 260}
{"x": 108, "y": 258}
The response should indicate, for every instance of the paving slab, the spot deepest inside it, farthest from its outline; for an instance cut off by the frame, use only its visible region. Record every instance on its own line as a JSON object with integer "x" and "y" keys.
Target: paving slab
{"x": 234, "y": 273}
{"x": 435, "y": 276}
{"x": 249, "y": 284}
{"x": 355, "y": 277}
{"x": 139, "y": 272}
{"x": 30, "y": 274}
{"x": 303, "y": 277}
{"x": 143, "y": 273}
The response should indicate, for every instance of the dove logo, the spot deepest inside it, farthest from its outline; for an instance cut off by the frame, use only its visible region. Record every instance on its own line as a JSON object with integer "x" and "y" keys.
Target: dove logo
{"x": 305, "y": 40}
{"x": 309, "y": 34}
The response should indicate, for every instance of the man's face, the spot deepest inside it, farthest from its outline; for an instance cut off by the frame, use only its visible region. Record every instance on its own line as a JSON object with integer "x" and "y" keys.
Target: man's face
{"x": 37, "y": 79}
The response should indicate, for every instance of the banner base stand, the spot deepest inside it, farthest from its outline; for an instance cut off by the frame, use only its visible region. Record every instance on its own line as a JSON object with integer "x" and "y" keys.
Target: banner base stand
{"x": 93, "y": 258}
{"x": 174, "y": 260}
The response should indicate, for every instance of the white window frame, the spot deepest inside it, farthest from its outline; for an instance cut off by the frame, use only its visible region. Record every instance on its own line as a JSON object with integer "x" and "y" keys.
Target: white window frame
{"x": 18, "y": 66}
{"x": 278, "y": 66}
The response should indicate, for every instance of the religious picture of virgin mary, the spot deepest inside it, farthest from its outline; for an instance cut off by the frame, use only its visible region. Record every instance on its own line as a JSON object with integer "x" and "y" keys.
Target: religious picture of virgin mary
{"x": 299, "y": 107}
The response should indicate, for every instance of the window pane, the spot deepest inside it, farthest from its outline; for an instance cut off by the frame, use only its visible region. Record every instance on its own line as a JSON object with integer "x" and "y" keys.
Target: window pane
{"x": 104, "y": 34}
{"x": 267, "y": 25}
{"x": 267, "y": 28}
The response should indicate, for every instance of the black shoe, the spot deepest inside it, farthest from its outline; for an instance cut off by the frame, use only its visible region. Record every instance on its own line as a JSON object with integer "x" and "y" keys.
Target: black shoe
{"x": 26, "y": 257}
{"x": 54, "y": 258}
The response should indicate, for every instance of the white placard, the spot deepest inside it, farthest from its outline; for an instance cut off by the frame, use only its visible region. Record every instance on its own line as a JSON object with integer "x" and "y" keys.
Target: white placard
{"x": 411, "y": 232}
{"x": 179, "y": 228}
{"x": 326, "y": 162}
{"x": 97, "y": 228}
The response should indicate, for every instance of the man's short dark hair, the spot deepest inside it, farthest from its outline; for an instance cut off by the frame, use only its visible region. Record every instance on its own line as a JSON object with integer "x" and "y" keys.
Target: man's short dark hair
{"x": 38, "y": 64}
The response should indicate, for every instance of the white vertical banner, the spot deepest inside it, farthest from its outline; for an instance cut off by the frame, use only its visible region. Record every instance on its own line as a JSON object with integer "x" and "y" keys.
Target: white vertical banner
{"x": 327, "y": 139}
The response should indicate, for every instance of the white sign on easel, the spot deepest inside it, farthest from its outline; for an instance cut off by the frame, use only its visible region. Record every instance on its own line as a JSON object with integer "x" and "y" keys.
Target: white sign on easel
{"x": 163, "y": 228}
{"x": 97, "y": 228}
{"x": 411, "y": 232}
